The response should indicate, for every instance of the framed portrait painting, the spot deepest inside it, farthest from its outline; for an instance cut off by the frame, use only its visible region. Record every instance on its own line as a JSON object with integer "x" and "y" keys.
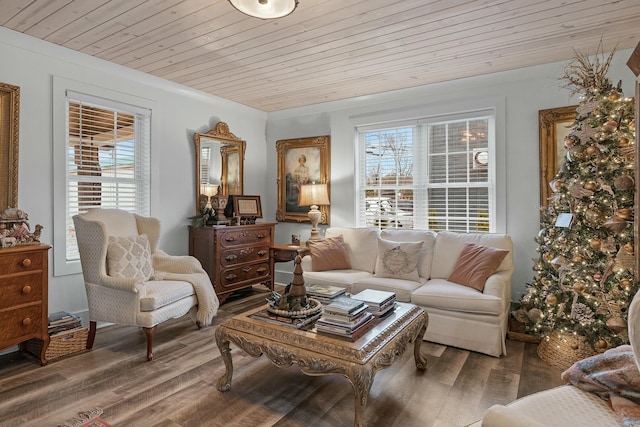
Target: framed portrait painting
{"x": 555, "y": 124}
{"x": 301, "y": 161}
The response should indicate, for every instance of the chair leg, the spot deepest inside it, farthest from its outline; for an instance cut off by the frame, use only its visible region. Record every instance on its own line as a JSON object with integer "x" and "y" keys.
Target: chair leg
{"x": 92, "y": 335}
{"x": 149, "y": 333}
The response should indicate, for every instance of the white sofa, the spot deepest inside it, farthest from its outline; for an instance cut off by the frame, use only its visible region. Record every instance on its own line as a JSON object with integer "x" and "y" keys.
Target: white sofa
{"x": 459, "y": 316}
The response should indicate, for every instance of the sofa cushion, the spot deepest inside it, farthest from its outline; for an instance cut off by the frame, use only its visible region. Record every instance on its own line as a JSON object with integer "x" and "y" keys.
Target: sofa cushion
{"x": 361, "y": 246}
{"x": 428, "y": 238}
{"x": 329, "y": 254}
{"x": 398, "y": 260}
{"x": 129, "y": 257}
{"x": 402, "y": 288}
{"x": 341, "y": 278}
{"x": 449, "y": 244}
{"x": 475, "y": 264}
{"x": 445, "y": 295}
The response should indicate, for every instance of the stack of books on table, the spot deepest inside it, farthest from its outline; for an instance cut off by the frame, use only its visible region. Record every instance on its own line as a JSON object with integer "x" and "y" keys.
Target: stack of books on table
{"x": 324, "y": 294}
{"x": 62, "y": 321}
{"x": 345, "y": 317}
{"x": 379, "y": 302}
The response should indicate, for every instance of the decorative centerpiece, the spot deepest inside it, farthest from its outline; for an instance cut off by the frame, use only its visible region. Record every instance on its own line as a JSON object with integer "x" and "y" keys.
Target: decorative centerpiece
{"x": 294, "y": 302}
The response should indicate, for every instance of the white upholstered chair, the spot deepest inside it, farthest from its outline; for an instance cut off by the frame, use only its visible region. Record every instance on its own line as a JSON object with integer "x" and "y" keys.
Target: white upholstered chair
{"x": 129, "y": 281}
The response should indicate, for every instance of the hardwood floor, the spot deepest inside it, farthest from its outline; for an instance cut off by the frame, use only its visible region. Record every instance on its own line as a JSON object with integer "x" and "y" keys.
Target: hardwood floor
{"x": 177, "y": 389}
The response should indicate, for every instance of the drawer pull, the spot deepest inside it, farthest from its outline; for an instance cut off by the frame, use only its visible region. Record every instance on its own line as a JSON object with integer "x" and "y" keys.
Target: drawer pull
{"x": 26, "y": 289}
{"x": 261, "y": 270}
{"x": 26, "y": 321}
{"x": 261, "y": 236}
{"x": 231, "y": 257}
{"x": 262, "y": 253}
{"x": 26, "y": 262}
{"x": 231, "y": 277}
{"x": 230, "y": 239}
{"x": 246, "y": 269}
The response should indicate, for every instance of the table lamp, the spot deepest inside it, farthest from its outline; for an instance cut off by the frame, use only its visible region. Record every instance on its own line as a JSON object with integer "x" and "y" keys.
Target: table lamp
{"x": 313, "y": 195}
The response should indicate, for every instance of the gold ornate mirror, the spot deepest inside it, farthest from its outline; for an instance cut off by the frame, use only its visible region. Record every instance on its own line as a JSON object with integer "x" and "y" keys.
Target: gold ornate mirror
{"x": 9, "y": 131}
{"x": 219, "y": 162}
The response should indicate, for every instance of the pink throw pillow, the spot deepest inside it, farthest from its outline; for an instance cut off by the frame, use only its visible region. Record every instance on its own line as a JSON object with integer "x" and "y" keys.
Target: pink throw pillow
{"x": 475, "y": 264}
{"x": 329, "y": 254}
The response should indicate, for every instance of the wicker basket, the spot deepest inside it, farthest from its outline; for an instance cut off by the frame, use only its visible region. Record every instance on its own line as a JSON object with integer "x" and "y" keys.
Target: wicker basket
{"x": 62, "y": 344}
{"x": 563, "y": 350}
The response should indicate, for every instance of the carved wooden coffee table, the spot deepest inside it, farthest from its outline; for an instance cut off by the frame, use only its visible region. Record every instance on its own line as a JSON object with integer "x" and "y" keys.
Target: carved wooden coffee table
{"x": 318, "y": 354}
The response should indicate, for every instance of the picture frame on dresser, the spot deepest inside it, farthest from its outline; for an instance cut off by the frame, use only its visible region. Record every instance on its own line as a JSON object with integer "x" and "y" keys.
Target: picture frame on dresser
{"x": 301, "y": 161}
{"x": 247, "y": 206}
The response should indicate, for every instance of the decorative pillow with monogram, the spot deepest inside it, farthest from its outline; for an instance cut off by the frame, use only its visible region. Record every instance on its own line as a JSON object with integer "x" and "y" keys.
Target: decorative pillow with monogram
{"x": 398, "y": 260}
{"x": 129, "y": 257}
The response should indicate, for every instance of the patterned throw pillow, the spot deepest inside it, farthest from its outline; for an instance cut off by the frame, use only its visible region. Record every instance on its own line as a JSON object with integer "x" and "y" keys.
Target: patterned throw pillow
{"x": 398, "y": 260}
{"x": 129, "y": 257}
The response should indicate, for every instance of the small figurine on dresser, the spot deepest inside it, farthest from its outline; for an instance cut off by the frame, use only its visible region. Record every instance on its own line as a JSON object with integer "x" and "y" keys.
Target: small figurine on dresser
{"x": 14, "y": 229}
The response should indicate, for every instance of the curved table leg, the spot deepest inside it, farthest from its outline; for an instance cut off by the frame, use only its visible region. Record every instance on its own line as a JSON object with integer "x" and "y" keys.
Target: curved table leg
{"x": 361, "y": 378}
{"x": 421, "y": 362}
{"x": 224, "y": 382}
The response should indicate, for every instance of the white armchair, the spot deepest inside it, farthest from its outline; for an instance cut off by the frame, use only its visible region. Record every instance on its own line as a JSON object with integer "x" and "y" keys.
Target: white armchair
{"x": 129, "y": 281}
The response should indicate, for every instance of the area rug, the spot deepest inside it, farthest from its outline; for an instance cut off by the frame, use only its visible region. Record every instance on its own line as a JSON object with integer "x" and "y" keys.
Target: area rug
{"x": 87, "y": 419}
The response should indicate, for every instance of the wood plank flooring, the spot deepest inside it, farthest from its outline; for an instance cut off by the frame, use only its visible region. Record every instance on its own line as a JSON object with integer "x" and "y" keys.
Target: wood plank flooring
{"x": 177, "y": 389}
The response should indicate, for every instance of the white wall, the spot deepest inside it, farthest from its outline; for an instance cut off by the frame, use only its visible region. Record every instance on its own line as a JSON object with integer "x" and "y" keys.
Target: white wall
{"x": 522, "y": 92}
{"x": 31, "y": 64}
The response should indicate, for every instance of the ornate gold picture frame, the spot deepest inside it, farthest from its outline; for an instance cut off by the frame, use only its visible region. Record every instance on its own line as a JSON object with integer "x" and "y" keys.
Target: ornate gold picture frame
{"x": 301, "y": 161}
{"x": 555, "y": 124}
{"x": 9, "y": 133}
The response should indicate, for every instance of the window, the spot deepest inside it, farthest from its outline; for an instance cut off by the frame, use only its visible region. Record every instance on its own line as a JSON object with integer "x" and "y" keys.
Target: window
{"x": 433, "y": 173}
{"x": 108, "y": 159}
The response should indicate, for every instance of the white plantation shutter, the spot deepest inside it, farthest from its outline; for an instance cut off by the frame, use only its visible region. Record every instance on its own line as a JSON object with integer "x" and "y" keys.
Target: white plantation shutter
{"x": 435, "y": 173}
{"x": 108, "y": 159}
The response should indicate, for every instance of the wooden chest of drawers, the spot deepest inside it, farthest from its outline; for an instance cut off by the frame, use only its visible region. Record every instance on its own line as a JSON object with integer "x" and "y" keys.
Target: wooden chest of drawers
{"x": 24, "y": 296}
{"x": 235, "y": 257}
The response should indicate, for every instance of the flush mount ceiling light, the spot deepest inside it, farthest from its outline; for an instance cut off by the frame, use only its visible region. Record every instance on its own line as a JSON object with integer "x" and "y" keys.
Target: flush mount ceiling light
{"x": 265, "y": 9}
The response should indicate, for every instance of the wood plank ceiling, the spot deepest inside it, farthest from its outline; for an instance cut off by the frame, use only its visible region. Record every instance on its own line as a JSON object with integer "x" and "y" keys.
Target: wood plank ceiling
{"x": 327, "y": 49}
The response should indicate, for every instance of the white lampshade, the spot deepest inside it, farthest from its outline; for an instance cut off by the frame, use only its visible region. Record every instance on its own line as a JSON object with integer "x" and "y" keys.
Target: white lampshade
{"x": 265, "y": 9}
{"x": 313, "y": 194}
{"x": 209, "y": 190}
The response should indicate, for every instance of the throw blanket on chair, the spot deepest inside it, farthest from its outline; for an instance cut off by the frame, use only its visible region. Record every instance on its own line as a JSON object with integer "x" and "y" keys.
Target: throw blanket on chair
{"x": 189, "y": 269}
{"x": 612, "y": 375}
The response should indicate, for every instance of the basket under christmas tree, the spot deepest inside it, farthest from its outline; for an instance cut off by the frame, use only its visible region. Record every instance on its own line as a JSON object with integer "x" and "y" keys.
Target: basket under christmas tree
{"x": 562, "y": 350}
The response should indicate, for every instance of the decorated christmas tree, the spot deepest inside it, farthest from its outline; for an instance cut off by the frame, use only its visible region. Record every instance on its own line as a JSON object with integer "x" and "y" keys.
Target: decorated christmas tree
{"x": 584, "y": 273}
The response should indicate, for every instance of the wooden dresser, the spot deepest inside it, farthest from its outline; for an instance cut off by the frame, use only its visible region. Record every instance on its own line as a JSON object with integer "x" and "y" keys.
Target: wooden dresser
{"x": 235, "y": 257}
{"x": 24, "y": 296}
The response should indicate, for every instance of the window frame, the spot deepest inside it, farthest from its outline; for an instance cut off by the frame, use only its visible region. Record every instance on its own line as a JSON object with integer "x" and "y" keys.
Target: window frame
{"x": 108, "y": 98}
{"x": 419, "y": 118}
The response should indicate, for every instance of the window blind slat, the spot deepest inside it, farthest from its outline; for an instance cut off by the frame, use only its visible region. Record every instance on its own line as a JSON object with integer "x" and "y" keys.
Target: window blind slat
{"x": 108, "y": 166}
{"x": 434, "y": 173}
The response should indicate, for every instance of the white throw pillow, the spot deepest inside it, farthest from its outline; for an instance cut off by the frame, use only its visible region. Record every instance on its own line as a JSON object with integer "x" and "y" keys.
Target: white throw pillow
{"x": 129, "y": 257}
{"x": 398, "y": 260}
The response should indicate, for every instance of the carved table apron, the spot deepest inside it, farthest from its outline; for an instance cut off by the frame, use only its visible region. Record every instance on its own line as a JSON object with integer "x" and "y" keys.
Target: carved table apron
{"x": 319, "y": 354}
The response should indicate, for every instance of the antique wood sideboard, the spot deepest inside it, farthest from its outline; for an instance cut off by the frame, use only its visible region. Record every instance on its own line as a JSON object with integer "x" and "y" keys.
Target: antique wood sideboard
{"x": 24, "y": 296}
{"x": 235, "y": 257}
